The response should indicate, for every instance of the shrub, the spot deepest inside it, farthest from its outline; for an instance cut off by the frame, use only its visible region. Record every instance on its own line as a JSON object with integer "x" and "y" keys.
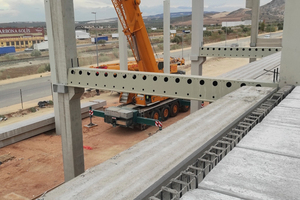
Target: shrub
{"x": 116, "y": 53}
{"x": 176, "y": 46}
{"x": 177, "y": 39}
{"x": 33, "y": 109}
{"x": 9, "y": 57}
{"x": 36, "y": 53}
{"x": 101, "y": 41}
{"x": 50, "y": 102}
{"x": 207, "y": 33}
{"x": 41, "y": 69}
{"x": 47, "y": 67}
{"x": 160, "y": 46}
{"x": 104, "y": 59}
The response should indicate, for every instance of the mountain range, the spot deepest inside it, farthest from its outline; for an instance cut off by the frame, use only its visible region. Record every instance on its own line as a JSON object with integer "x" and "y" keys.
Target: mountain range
{"x": 272, "y": 11}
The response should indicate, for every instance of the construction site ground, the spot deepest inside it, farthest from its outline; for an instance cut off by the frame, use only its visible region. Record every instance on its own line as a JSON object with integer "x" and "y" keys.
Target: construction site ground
{"x": 36, "y": 164}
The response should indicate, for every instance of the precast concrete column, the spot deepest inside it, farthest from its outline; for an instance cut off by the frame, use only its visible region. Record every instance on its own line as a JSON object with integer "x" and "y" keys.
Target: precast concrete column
{"x": 197, "y": 41}
{"x": 63, "y": 55}
{"x": 290, "y": 59}
{"x": 255, "y": 6}
{"x": 167, "y": 14}
{"x": 123, "y": 54}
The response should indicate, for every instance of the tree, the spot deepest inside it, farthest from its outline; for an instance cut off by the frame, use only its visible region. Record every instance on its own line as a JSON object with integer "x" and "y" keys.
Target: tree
{"x": 177, "y": 39}
{"x": 262, "y": 26}
{"x": 280, "y": 26}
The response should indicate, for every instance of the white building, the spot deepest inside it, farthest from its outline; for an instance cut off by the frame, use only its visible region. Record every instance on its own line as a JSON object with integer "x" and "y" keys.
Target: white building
{"x": 237, "y": 23}
{"x": 115, "y": 36}
{"x": 81, "y": 34}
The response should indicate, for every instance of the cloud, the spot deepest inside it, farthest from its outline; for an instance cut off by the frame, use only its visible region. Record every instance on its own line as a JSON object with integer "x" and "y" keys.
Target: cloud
{"x": 33, "y": 10}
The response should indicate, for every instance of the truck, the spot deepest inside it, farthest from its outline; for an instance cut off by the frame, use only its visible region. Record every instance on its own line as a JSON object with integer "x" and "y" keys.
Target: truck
{"x": 6, "y": 50}
{"x": 93, "y": 40}
{"x": 43, "y": 46}
{"x": 140, "y": 110}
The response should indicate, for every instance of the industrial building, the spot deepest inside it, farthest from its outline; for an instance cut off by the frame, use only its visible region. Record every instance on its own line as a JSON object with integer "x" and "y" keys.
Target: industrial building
{"x": 244, "y": 145}
{"x": 21, "y": 38}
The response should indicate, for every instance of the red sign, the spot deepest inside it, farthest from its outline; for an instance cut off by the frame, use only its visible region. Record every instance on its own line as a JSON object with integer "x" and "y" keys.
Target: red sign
{"x": 91, "y": 113}
{"x": 21, "y": 31}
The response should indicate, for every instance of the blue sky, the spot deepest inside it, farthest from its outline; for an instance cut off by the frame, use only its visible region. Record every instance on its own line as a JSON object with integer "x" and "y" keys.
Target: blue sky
{"x": 33, "y": 10}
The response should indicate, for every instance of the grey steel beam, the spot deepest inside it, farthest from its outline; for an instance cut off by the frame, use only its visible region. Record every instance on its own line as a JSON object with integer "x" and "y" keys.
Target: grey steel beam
{"x": 290, "y": 70}
{"x": 238, "y": 52}
{"x": 176, "y": 86}
{"x": 63, "y": 55}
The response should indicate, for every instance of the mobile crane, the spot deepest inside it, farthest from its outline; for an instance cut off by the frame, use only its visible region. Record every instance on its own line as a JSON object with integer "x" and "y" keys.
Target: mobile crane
{"x": 139, "y": 109}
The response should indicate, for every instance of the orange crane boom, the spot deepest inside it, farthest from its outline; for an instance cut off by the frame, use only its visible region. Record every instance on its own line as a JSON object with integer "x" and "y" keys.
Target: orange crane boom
{"x": 134, "y": 28}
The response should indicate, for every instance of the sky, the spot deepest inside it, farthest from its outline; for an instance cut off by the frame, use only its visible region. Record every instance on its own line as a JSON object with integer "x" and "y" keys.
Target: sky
{"x": 33, "y": 10}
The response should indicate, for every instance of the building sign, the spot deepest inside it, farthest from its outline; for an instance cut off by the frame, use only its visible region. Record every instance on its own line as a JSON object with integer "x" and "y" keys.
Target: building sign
{"x": 21, "y": 31}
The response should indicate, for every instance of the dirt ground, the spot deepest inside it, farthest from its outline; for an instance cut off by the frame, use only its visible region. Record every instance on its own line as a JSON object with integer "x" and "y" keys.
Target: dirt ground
{"x": 38, "y": 166}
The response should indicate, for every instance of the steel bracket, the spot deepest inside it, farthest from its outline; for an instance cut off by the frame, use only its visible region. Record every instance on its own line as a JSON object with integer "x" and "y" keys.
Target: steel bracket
{"x": 60, "y": 88}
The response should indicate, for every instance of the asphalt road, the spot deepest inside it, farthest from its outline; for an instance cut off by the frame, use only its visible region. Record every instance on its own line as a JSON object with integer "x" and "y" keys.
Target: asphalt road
{"x": 40, "y": 87}
{"x": 31, "y": 89}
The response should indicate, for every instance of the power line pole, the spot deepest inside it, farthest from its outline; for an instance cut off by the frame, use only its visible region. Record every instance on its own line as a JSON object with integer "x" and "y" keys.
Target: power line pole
{"x": 96, "y": 38}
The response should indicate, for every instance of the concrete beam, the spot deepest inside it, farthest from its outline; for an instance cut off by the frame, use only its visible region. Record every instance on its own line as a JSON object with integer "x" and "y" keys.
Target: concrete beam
{"x": 122, "y": 48}
{"x": 60, "y": 23}
{"x": 290, "y": 70}
{"x": 272, "y": 42}
{"x": 25, "y": 129}
{"x": 197, "y": 42}
{"x": 167, "y": 14}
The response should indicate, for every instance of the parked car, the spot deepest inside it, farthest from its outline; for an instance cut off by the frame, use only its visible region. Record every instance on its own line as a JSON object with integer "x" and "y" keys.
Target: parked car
{"x": 28, "y": 49}
{"x": 234, "y": 45}
{"x": 267, "y": 36}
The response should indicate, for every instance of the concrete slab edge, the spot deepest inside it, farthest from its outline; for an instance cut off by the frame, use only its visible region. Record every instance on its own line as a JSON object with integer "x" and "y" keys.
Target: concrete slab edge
{"x": 29, "y": 128}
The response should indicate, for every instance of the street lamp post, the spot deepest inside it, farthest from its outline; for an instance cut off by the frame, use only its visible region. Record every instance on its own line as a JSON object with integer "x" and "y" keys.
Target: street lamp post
{"x": 96, "y": 38}
{"x": 182, "y": 39}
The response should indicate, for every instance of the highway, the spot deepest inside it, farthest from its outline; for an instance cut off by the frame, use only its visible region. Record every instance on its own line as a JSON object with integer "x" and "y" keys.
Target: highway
{"x": 40, "y": 87}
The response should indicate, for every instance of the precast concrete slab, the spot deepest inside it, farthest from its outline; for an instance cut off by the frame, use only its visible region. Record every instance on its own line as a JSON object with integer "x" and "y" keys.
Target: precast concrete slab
{"x": 251, "y": 174}
{"x": 25, "y": 129}
{"x": 256, "y": 70}
{"x": 265, "y": 164}
{"x": 284, "y": 116}
{"x": 201, "y": 194}
{"x": 282, "y": 140}
{"x": 136, "y": 172}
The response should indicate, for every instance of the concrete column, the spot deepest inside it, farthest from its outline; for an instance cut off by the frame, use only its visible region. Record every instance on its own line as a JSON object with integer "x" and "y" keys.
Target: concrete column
{"x": 197, "y": 42}
{"x": 167, "y": 14}
{"x": 63, "y": 55}
{"x": 52, "y": 66}
{"x": 255, "y": 6}
{"x": 123, "y": 54}
{"x": 290, "y": 59}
